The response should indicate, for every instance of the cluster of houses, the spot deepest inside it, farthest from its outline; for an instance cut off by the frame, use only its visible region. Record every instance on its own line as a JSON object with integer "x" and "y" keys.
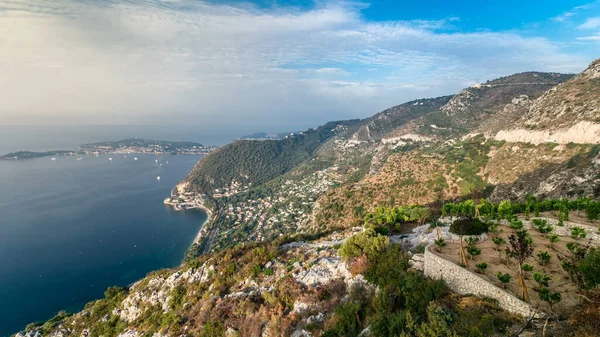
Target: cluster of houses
{"x": 290, "y": 207}
{"x": 235, "y": 188}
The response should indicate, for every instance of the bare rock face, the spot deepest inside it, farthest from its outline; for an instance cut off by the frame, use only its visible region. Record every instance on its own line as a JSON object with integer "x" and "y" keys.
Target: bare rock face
{"x": 593, "y": 71}
{"x": 323, "y": 272}
{"x": 458, "y": 103}
{"x": 157, "y": 291}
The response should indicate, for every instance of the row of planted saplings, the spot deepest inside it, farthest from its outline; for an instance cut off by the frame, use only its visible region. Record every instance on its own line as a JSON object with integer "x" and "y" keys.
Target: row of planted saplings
{"x": 520, "y": 248}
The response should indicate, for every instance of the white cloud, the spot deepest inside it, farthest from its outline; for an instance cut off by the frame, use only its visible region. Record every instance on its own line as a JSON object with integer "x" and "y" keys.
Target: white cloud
{"x": 195, "y": 62}
{"x": 574, "y": 11}
{"x": 590, "y": 23}
{"x": 589, "y": 38}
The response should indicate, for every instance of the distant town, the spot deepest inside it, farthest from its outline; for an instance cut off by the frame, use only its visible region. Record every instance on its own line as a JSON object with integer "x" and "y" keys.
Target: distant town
{"x": 124, "y": 146}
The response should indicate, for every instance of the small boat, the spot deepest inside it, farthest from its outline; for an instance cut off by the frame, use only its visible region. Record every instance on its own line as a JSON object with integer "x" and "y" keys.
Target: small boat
{"x": 158, "y": 178}
{"x": 135, "y": 158}
{"x": 110, "y": 159}
{"x": 156, "y": 160}
{"x": 80, "y": 158}
{"x": 53, "y": 159}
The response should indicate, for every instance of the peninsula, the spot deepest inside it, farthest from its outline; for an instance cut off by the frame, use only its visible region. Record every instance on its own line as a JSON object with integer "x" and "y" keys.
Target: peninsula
{"x": 130, "y": 145}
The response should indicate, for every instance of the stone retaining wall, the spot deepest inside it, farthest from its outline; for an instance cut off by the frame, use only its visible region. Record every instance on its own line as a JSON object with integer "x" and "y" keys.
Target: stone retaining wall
{"x": 463, "y": 281}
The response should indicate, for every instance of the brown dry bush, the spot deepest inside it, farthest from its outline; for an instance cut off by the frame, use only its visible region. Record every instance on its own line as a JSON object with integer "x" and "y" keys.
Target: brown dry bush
{"x": 585, "y": 319}
{"x": 359, "y": 265}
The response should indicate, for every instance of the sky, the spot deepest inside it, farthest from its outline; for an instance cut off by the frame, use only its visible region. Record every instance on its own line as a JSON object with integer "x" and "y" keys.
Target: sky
{"x": 269, "y": 65}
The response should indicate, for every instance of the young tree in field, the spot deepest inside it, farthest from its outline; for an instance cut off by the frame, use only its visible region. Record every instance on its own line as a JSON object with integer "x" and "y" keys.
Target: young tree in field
{"x": 578, "y": 233}
{"x": 439, "y": 244}
{"x": 419, "y": 213}
{"x": 481, "y": 267}
{"x": 450, "y": 209}
{"x": 521, "y": 248}
{"x": 527, "y": 268}
{"x": 499, "y": 242}
{"x": 544, "y": 257}
{"x": 504, "y": 278}
{"x": 530, "y": 201}
{"x": 563, "y": 209}
{"x": 472, "y": 249}
{"x": 553, "y": 238}
{"x": 536, "y": 208}
{"x": 437, "y": 224}
{"x": 542, "y": 279}
{"x": 485, "y": 208}
{"x": 462, "y": 227}
{"x": 516, "y": 224}
{"x": 467, "y": 208}
{"x": 505, "y": 209}
{"x": 550, "y": 297}
{"x": 592, "y": 210}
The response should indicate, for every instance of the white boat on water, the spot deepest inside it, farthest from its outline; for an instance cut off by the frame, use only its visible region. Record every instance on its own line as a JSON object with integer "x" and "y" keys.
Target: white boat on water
{"x": 135, "y": 158}
{"x": 53, "y": 159}
{"x": 110, "y": 159}
{"x": 80, "y": 158}
{"x": 158, "y": 178}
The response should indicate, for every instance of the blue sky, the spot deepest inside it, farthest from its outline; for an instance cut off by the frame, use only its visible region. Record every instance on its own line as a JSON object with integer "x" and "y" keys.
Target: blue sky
{"x": 270, "y": 65}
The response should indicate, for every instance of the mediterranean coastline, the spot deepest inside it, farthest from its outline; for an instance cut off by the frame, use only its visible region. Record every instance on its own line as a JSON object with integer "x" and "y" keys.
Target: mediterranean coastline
{"x": 182, "y": 199}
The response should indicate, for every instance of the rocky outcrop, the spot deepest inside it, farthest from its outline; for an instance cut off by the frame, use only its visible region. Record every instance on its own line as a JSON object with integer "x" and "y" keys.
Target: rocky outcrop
{"x": 156, "y": 291}
{"x": 583, "y": 132}
{"x": 323, "y": 272}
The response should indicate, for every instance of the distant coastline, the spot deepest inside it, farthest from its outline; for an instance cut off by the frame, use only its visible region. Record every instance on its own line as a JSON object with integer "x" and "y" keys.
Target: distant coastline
{"x": 124, "y": 146}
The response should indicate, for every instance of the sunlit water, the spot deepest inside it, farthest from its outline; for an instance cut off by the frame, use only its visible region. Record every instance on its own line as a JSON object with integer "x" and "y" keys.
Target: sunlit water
{"x": 71, "y": 228}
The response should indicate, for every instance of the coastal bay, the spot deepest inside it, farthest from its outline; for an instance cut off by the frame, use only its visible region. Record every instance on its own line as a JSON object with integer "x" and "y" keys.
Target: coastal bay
{"x": 71, "y": 228}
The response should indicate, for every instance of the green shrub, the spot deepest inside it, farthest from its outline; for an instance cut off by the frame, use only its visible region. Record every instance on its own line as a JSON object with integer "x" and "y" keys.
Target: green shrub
{"x": 368, "y": 243}
{"x": 439, "y": 244}
{"x": 349, "y": 315}
{"x": 544, "y": 257}
{"x": 504, "y": 278}
{"x": 553, "y": 238}
{"x": 578, "y": 233}
{"x": 549, "y": 296}
{"x": 542, "y": 279}
{"x": 481, "y": 267}
{"x": 590, "y": 268}
{"x": 388, "y": 266}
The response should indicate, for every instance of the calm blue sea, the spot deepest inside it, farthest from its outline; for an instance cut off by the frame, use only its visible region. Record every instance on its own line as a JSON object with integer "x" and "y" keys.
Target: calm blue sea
{"x": 71, "y": 228}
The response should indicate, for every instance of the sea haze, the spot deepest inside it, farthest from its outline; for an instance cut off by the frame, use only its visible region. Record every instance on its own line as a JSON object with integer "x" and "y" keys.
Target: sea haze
{"x": 71, "y": 228}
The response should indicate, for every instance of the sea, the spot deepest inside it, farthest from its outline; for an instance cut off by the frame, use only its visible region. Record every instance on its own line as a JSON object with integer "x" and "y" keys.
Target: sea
{"x": 71, "y": 227}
